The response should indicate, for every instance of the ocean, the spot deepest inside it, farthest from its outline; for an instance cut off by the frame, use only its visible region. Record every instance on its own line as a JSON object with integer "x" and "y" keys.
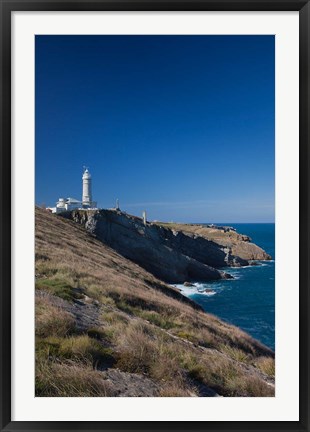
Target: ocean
{"x": 248, "y": 300}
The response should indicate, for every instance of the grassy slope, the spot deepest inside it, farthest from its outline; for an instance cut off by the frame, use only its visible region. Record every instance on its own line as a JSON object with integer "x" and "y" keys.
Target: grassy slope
{"x": 98, "y": 313}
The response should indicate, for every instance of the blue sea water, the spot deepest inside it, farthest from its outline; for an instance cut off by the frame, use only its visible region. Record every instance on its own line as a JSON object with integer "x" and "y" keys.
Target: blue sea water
{"x": 248, "y": 300}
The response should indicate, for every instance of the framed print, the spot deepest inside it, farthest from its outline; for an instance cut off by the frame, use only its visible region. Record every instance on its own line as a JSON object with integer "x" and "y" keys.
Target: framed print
{"x": 154, "y": 209}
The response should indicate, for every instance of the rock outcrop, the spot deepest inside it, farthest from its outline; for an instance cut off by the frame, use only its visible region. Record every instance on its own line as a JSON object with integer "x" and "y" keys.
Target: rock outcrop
{"x": 238, "y": 247}
{"x": 172, "y": 255}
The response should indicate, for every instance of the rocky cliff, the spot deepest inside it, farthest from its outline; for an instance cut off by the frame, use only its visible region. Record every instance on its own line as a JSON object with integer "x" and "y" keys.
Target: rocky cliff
{"x": 173, "y": 254}
{"x": 239, "y": 248}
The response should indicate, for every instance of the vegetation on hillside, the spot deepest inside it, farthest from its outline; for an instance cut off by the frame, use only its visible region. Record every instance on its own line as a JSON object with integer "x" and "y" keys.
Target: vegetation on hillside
{"x": 98, "y": 313}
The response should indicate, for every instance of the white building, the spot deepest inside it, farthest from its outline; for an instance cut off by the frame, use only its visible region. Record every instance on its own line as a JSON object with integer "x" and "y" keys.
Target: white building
{"x": 69, "y": 204}
{"x": 87, "y": 199}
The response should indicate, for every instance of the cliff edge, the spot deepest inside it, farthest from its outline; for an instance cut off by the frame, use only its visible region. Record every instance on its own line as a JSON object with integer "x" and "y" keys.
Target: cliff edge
{"x": 174, "y": 253}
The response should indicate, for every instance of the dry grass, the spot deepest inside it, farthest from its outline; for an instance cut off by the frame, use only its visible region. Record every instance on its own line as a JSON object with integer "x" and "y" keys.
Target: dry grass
{"x": 137, "y": 348}
{"x": 144, "y": 326}
{"x": 226, "y": 377}
{"x": 266, "y": 365}
{"x": 143, "y": 349}
{"x": 176, "y": 390}
{"x": 236, "y": 354}
{"x": 81, "y": 348}
{"x": 214, "y": 234}
{"x": 51, "y": 320}
{"x": 69, "y": 380}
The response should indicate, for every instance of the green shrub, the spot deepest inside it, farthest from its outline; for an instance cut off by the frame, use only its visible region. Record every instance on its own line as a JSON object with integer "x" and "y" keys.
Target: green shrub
{"x": 83, "y": 348}
{"x": 59, "y": 288}
{"x": 160, "y": 320}
{"x": 78, "y": 348}
{"x": 47, "y": 348}
{"x": 188, "y": 335}
{"x": 96, "y": 333}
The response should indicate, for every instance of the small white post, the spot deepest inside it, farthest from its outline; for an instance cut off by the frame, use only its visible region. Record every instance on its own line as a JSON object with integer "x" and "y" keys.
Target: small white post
{"x": 117, "y": 204}
{"x": 144, "y": 217}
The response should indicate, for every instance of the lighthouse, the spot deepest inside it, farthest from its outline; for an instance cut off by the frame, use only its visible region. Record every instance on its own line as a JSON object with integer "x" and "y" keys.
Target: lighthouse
{"x": 70, "y": 204}
{"x": 87, "y": 199}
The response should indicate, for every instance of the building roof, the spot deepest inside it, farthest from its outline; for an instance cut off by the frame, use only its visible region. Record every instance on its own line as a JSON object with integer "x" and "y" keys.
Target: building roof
{"x": 73, "y": 200}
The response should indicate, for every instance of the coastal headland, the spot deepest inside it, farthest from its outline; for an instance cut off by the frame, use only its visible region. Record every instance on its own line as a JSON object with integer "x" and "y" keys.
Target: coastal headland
{"x": 174, "y": 253}
{"x": 105, "y": 326}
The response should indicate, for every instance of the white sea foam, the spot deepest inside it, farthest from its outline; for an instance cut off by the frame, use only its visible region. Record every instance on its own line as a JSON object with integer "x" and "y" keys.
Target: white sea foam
{"x": 199, "y": 285}
{"x": 209, "y": 293}
{"x": 243, "y": 267}
{"x": 197, "y": 288}
{"x": 236, "y": 276}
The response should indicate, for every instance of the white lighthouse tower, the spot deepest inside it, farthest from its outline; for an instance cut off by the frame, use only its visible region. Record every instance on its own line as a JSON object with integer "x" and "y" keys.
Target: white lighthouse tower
{"x": 87, "y": 199}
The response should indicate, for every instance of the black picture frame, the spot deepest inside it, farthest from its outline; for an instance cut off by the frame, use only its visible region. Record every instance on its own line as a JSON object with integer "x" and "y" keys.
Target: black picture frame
{"x": 7, "y": 7}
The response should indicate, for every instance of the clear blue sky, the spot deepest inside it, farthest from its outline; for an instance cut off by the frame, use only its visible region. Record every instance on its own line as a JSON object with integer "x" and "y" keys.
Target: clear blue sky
{"x": 182, "y": 126}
